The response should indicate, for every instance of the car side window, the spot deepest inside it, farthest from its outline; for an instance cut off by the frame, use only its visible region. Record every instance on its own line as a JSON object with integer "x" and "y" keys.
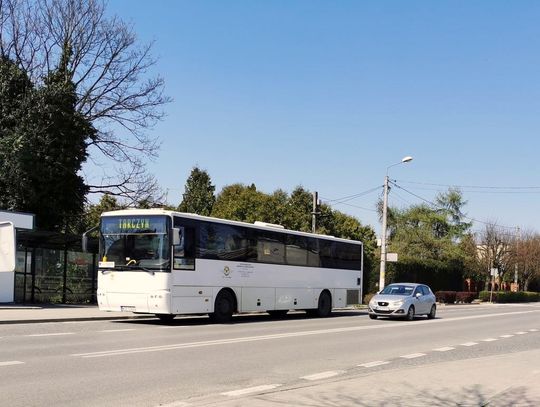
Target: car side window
{"x": 417, "y": 290}
{"x": 425, "y": 290}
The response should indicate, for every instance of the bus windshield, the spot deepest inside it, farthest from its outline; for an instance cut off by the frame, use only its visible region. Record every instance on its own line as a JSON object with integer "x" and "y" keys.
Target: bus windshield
{"x": 135, "y": 242}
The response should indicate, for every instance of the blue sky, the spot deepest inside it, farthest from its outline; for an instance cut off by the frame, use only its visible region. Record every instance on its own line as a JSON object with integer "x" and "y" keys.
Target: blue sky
{"x": 328, "y": 94}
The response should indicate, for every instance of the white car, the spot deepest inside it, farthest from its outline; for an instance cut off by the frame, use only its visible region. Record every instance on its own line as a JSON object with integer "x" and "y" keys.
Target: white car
{"x": 403, "y": 300}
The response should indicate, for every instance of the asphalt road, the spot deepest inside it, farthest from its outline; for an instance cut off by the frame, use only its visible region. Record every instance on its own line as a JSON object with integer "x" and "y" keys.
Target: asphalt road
{"x": 468, "y": 355}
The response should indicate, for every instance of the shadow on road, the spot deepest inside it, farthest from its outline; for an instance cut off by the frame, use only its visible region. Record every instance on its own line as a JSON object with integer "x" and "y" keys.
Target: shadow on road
{"x": 237, "y": 319}
{"x": 472, "y": 396}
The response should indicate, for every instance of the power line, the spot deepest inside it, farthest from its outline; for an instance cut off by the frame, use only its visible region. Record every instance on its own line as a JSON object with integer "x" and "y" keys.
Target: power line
{"x": 351, "y": 197}
{"x": 469, "y": 186}
{"x": 440, "y": 207}
{"x": 353, "y": 206}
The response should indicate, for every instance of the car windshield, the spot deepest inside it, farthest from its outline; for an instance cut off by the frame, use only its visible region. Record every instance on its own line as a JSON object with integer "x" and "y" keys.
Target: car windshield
{"x": 397, "y": 289}
{"x": 135, "y": 243}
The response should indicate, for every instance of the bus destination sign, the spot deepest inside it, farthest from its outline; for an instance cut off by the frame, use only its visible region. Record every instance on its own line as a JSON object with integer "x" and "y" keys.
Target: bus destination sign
{"x": 133, "y": 224}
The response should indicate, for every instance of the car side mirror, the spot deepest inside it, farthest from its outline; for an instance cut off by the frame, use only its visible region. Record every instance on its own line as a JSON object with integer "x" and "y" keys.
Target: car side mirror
{"x": 418, "y": 295}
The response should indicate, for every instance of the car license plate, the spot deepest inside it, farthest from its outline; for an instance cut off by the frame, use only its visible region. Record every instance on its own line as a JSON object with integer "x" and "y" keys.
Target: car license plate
{"x": 127, "y": 308}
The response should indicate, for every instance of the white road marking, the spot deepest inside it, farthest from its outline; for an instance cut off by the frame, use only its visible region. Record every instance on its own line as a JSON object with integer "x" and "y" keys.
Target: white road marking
{"x": 506, "y": 336}
{"x": 469, "y": 344}
{"x": 413, "y": 356}
{"x": 323, "y": 375}
{"x": 11, "y": 362}
{"x": 175, "y": 404}
{"x": 521, "y": 333}
{"x": 533, "y": 330}
{"x": 118, "y": 330}
{"x": 489, "y": 340}
{"x": 445, "y": 349}
{"x": 53, "y": 334}
{"x": 172, "y": 327}
{"x": 250, "y": 390}
{"x": 373, "y": 364}
{"x": 237, "y": 340}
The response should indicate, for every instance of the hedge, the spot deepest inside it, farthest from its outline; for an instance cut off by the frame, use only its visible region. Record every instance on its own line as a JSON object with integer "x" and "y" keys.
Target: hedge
{"x": 465, "y": 296}
{"x": 446, "y": 297}
{"x": 451, "y": 297}
{"x": 509, "y": 296}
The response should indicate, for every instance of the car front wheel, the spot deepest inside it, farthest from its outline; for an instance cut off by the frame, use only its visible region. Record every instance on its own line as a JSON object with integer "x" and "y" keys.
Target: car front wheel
{"x": 432, "y": 313}
{"x": 410, "y": 313}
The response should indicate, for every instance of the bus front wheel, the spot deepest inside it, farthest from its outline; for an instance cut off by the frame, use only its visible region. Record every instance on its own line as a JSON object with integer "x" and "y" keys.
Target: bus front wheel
{"x": 223, "y": 307}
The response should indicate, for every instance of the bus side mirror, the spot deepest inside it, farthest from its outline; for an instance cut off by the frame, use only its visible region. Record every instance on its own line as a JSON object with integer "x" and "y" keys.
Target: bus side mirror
{"x": 84, "y": 241}
{"x": 177, "y": 236}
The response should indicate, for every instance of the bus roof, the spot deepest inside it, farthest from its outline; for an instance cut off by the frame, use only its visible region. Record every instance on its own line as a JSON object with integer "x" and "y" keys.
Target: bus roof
{"x": 159, "y": 211}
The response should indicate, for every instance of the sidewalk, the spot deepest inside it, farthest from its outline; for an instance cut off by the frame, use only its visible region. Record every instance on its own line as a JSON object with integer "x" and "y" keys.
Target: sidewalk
{"x": 22, "y": 314}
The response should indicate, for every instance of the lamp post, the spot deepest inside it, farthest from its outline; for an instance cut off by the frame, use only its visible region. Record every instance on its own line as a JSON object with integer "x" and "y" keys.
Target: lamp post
{"x": 382, "y": 274}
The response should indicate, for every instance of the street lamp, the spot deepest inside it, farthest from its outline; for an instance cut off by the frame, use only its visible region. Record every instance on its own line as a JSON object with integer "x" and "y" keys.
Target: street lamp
{"x": 383, "y": 234}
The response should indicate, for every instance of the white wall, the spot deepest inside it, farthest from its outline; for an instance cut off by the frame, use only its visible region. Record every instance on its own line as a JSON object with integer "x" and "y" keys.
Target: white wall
{"x": 7, "y": 284}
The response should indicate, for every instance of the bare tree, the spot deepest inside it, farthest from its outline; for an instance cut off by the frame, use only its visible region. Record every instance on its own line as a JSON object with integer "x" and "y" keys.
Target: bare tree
{"x": 526, "y": 259}
{"x": 495, "y": 250}
{"x": 115, "y": 89}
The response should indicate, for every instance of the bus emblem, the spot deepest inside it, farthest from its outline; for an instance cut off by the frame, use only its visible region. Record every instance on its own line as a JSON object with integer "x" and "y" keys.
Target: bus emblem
{"x": 226, "y": 270}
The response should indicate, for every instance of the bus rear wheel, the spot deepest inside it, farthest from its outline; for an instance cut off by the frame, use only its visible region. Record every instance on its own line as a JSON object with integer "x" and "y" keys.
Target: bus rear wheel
{"x": 324, "y": 308}
{"x": 223, "y": 308}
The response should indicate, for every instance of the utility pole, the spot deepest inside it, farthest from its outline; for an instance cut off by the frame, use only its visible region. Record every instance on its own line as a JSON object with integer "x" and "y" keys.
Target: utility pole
{"x": 314, "y": 212}
{"x": 382, "y": 274}
{"x": 518, "y": 233}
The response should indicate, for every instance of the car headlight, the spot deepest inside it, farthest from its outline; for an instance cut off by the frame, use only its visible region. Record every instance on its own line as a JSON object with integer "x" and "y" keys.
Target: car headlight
{"x": 397, "y": 303}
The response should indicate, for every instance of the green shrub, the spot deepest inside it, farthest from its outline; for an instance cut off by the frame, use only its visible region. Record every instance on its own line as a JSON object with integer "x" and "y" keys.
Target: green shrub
{"x": 368, "y": 297}
{"x": 446, "y": 297}
{"x": 510, "y": 297}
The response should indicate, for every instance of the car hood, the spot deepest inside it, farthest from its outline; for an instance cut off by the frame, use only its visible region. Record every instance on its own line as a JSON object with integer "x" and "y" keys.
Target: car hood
{"x": 390, "y": 298}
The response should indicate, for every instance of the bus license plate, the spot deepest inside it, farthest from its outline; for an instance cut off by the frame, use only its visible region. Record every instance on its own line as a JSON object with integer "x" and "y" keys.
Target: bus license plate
{"x": 127, "y": 308}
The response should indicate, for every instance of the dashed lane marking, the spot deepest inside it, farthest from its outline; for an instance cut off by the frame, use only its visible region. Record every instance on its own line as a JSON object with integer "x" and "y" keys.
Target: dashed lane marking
{"x": 250, "y": 390}
{"x": 175, "y": 404}
{"x": 469, "y": 344}
{"x": 533, "y": 330}
{"x": 323, "y": 375}
{"x": 237, "y": 340}
{"x": 413, "y": 356}
{"x": 118, "y": 330}
{"x": 11, "y": 362}
{"x": 444, "y": 349}
{"x": 489, "y": 340}
{"x": 506, "y": 336}
{"x": 373, "y": 364}
{"x": 521, "y": 333}
{"x": 53, "y": 334}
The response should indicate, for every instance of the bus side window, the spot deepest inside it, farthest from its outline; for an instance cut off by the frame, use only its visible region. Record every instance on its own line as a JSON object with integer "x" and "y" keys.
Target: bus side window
{"x": 184, "y": 253}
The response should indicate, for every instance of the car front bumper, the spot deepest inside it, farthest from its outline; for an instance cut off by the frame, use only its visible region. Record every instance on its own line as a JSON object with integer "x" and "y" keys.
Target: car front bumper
{"x": 390, "y": 311}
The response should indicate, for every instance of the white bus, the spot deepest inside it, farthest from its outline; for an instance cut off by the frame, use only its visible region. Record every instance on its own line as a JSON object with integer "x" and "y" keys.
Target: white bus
{"x": 168, "y": 263}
